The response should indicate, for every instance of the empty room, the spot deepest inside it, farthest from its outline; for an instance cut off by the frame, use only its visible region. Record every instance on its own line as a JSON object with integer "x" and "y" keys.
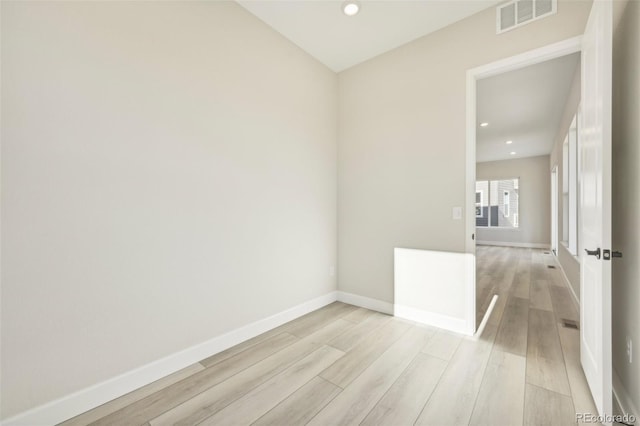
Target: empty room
{"x": 319, "y": 212}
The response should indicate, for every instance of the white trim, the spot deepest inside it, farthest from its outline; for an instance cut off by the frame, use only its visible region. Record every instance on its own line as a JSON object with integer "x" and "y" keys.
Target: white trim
{"x": 71, "y": 405}
{"x": 554, "y": 210}
{"x": 470, "y": 166}
{"x": 471, "y": 295}
{"x": 506, "y": 196}
{"x": 508, "y": 244}
{"x": 437, "y": 320}
{"x": 365, "y": 302}
{"x": 576, "y": 300}
{"x": 531, "y": 57}
{"x": 623, "y": 398}
{"x": 456, "y": 325}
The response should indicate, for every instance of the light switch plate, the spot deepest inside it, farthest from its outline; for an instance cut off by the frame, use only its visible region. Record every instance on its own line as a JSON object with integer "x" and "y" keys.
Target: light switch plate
{"x": 457, "y": 213}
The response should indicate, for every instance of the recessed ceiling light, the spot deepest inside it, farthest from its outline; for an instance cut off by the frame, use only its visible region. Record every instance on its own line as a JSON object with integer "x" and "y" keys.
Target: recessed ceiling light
{"x": 350, "y": 8}
{"x": 509, "y": 142}
{"x": 485, "y": 124}
{"x": 512, "y": 153}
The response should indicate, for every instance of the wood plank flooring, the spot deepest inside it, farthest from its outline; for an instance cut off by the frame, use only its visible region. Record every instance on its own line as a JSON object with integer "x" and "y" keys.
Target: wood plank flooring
{"x": 346, "y": 365}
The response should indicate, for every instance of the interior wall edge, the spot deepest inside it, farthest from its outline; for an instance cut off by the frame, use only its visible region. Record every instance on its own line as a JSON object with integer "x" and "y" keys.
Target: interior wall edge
{"x": 365, "y": 302}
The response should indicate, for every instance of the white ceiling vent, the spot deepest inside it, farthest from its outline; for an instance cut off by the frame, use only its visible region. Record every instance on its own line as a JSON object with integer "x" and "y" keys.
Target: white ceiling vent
{"x": 517, "y": 13}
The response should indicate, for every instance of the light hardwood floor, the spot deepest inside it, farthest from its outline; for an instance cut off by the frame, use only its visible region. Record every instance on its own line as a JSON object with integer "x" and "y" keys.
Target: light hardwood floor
{"x": 346, "y": 365}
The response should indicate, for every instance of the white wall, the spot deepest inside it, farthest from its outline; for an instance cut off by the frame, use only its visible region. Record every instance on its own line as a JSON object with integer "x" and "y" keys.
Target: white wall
{"x": 569, "y": 263}
{"x": 626, "y": 204}
{"x": 427, "y": 290}
{"x": 402, "y": 141}
{"x": 534, "y": 198}
{"x": 168, "y": 175}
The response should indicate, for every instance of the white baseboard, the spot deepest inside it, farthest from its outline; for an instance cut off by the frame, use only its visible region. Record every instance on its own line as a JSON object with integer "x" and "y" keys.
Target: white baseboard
{"x": 507, "y": 244}
{"x": 622, "y": 397}
{"x": 575, "y": 298}
{"x": 366, "y": 302}
{"x": 71, "y": 405}
{"x": 457, "y": 325}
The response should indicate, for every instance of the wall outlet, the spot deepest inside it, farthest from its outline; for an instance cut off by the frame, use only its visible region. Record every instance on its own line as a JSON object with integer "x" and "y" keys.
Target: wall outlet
{"x": 629, "y": 349}
{"x": 332, "y": 271}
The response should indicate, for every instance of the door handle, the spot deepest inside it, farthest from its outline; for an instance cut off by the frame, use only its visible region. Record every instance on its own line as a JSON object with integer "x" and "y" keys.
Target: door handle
{"x": 595, "y": 252}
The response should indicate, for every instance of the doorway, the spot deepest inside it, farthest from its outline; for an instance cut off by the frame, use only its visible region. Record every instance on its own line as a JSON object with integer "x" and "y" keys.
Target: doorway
{"x": 595, "y": 194}
{"x": 518, "y": 110}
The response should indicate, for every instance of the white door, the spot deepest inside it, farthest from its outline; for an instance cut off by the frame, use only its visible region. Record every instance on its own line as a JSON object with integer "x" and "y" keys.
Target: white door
{"x": 595, "y": 205}
{"x": 554, "y": 210}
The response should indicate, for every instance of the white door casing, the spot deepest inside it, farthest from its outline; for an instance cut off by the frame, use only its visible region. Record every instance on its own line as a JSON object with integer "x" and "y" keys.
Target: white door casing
{"x": 595, "y": 205}
{"x": 554, "y": 210}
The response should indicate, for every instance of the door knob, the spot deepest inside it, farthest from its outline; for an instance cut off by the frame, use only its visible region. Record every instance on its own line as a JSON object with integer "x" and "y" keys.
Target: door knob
{"x": 595, "y": 252}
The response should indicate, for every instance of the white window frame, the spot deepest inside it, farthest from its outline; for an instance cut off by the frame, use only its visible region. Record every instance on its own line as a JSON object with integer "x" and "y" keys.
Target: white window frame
{"x": 573, "y": 186}
{"x": 570, "y": 187}
{"x": 506, "y": 203}
{"x": 565, "y": 191}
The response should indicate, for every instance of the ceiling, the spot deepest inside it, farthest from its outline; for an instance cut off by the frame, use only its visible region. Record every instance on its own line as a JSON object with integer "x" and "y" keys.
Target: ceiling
{"x": 524, "y": 106}
{"x": 321, "y": 29}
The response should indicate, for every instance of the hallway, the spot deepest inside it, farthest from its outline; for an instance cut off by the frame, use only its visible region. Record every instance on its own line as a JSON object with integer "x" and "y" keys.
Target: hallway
{"x": 533, "y": 300}
{"x": 347, "y": 365}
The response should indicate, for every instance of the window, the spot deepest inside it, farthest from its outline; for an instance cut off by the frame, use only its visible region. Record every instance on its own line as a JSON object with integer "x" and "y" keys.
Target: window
{"x": 482, "y": 209}
{"x": 479, "y": 211}
{"x": 570, "y": 188}
{"x": 497, "y": 203}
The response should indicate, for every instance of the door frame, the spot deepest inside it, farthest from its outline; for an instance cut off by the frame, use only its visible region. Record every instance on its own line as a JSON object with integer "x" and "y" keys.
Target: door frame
{"x": 554, "y": 209}
{"x": 531, "y": 57}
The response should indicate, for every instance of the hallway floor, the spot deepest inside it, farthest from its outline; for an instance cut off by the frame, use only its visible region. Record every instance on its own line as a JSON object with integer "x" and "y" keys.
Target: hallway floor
{"x": 347, "y": 365}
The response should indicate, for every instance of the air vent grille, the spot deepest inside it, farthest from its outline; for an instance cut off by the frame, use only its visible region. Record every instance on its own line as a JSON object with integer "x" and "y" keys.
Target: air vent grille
{"x": 507, "y": 16}
{"x": 525, "y": 11}
{"x": 521, "y": 12}
{"x": 567, "y": 323}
